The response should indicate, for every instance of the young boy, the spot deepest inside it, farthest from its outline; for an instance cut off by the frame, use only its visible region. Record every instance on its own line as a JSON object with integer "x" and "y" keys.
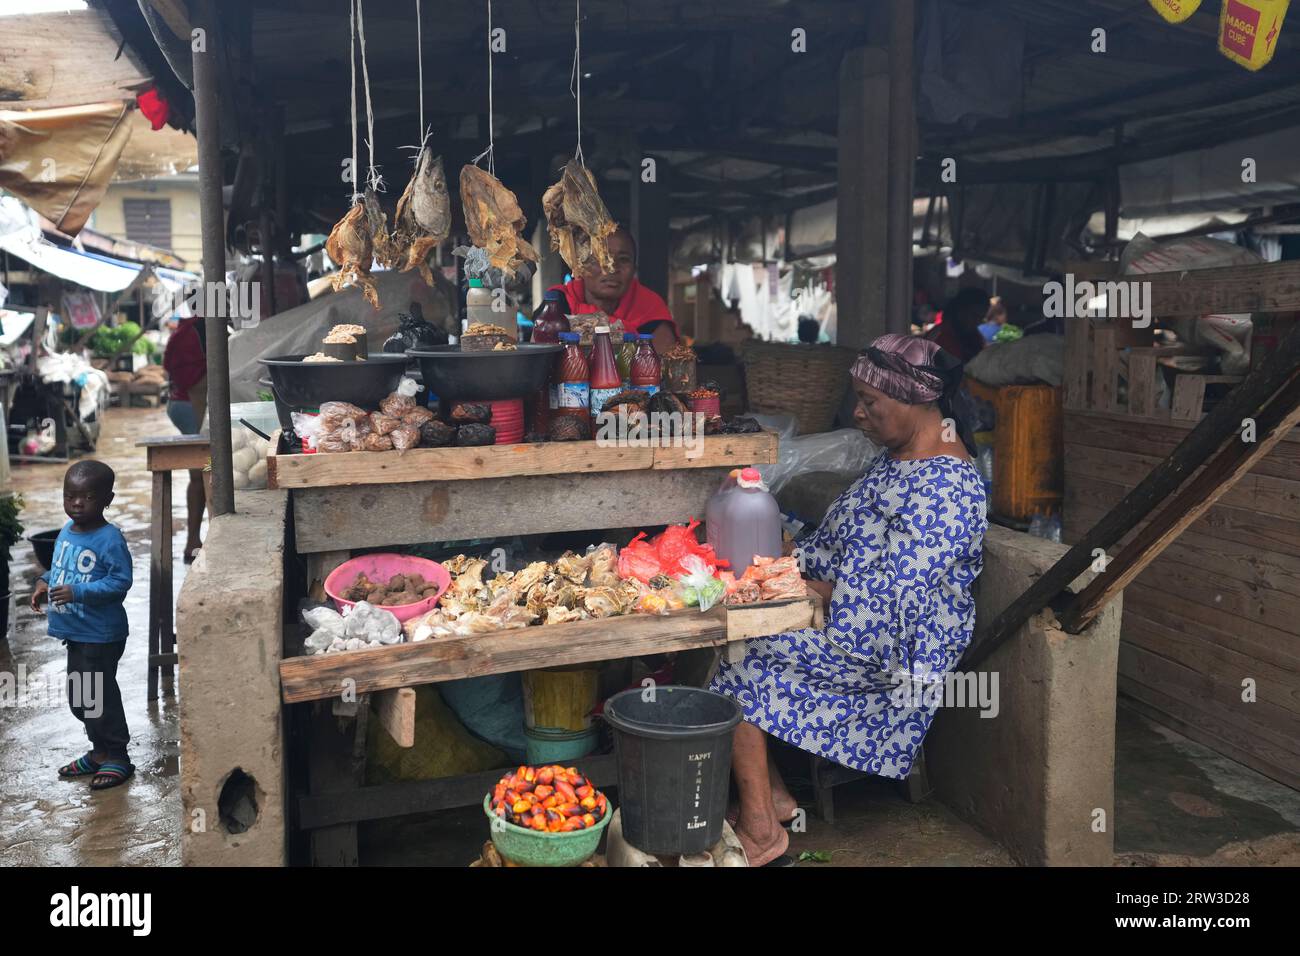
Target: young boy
{"x": 86, "y": 587}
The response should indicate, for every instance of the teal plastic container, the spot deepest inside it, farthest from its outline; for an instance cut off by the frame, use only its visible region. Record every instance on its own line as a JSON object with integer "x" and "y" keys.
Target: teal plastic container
{"x": 558, "y": 746}
{"x": 534, "y": 848}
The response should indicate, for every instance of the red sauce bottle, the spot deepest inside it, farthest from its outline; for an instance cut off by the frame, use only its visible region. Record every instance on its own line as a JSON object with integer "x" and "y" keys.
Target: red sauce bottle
{"x": 548, "y": 322}
{"x": 572, "y": 381}
{"x": 605, "y": 381}
{"x": 646, "y": 370}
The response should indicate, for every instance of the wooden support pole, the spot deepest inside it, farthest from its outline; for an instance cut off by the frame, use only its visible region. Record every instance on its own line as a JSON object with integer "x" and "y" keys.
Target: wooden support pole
{"x": 1218, "y": 427}
{"x": 1274, "y": 421}
{"x": 902, "y": 165}
{"x": 861, "y": 216}
{"x": 207, "y": 112}
{"x": 650, "y": 210}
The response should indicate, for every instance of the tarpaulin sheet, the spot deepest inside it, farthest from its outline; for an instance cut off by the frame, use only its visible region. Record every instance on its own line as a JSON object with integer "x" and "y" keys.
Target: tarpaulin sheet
{"x": 60, "y": 161}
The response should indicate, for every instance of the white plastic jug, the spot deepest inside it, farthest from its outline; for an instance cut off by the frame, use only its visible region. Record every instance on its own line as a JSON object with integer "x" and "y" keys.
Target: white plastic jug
{"x": 746, "y": 522}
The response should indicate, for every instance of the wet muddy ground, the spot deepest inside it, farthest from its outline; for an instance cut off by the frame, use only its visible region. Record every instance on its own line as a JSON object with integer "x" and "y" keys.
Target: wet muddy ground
{"x": 45, "y": 820}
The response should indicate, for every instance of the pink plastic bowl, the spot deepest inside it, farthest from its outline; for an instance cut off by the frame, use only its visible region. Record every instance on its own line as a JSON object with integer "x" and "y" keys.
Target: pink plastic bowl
{"x": 381, "y": 567}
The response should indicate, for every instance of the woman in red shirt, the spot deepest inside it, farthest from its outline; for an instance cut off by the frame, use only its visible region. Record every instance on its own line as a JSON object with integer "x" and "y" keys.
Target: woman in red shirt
{"x": 620, "y": 296}
{"x": 186, "y": 363}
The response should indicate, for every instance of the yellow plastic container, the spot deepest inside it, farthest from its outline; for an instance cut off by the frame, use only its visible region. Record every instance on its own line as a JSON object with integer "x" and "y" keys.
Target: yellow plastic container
{"x": 1028, "y": 449}
{"x": 560, "y": 699}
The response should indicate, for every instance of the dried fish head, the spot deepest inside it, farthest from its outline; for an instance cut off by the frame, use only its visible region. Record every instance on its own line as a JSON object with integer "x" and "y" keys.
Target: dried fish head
{"x": 563, "y": 615}
{"x": 573, "y": 567}
{"x": 423, "y": 218}
{"x": 577, "y": 221}
{"x": 351, "y": 247}
{"x": 602, "y": 602}
{"x": 530, "y": 575}
{"x": 470, "y": 578}
{"x": 494, "y": 220}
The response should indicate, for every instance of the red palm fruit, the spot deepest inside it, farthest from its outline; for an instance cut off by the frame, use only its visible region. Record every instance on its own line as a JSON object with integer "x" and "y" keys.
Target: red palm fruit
{"x": 571, "y": 810}
{"x": 538, "y": 822}
{"x": 573, "y": 823}
{"x": 587, "y": 803}
{"x": 583, "y": 792}
{"x": 520, "y": 807}
{"x": 546, "y": 775}
{"x": 566, "y": 791}
{"x": 589, "y": 819}
{"x": 543, "y": 791}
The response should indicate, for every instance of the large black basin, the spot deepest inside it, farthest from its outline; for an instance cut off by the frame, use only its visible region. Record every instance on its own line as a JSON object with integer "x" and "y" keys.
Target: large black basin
{"x": 300, "y": 384}
{"x": 485, "y": 376}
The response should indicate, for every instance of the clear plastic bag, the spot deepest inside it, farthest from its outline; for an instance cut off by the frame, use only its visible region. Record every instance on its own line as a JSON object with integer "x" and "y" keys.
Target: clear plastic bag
{"x": 698, "y": 585}
{"x": 371, "y": 624}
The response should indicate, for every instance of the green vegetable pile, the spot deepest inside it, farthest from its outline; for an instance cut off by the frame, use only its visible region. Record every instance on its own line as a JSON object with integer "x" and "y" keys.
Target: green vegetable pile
{"x": 11, "y": 529}
{"x": 1009, "y": 333}
{"x": 110, "y": 340}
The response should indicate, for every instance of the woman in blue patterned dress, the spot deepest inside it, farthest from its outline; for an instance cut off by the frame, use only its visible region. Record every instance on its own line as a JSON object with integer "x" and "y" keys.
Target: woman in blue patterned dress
{"x": 894, "y": 561}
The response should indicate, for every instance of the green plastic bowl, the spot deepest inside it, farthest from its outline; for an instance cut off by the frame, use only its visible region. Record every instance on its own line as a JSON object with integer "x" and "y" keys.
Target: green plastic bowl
{"x": 535, "y": 848}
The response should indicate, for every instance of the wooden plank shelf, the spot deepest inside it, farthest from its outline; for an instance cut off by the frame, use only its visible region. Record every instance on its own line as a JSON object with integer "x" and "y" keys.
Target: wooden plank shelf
{"x": 506, "y": 461}
{"x": 322, "y": 676}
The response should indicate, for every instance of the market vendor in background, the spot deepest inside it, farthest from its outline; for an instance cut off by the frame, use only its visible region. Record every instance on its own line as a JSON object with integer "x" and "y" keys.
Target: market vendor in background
{"x": 185, "y": 359}
{"x": 621, "y": 296}
{"x": 894, "y": 560}
{"x": 958, "y": 333}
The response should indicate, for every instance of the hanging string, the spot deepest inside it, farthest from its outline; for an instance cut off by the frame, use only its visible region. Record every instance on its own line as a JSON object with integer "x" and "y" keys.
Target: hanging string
{"x": 419, "y": 46}
{"x": 352, "y": 62}
{"x": 373, "y": 179}
{"x": 490, "y": 152}
{"x": 575, "y": 78}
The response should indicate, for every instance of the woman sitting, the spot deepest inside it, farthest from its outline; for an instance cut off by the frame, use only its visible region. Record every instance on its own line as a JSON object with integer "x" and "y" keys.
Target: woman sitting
{"x": 894, "y": 561}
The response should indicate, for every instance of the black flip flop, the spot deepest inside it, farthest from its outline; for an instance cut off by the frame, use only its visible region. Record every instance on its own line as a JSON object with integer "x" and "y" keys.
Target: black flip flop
{"x": 785, "y": 859}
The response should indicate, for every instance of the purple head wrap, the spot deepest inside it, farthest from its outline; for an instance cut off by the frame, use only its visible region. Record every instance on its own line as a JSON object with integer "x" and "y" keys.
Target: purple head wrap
{"x": 904, "y": 367}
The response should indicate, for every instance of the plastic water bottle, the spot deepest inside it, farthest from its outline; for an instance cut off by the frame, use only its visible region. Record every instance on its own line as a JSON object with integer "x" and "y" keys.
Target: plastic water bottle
{"x": 478, "y": 309}
{"x": 747, "y": 523}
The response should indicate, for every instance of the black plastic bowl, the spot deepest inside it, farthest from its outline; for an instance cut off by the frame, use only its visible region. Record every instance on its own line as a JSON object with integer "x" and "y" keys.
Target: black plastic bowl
{"x": 485, "y": 376}
{"x": 300, "y": 384}
{"x": 43, "y": 545}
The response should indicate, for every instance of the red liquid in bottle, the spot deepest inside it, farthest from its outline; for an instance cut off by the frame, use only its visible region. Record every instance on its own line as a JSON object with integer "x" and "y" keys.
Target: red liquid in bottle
{"x": 548, "y": 322}
{"x": 605, "y": 381}
{"x": 646, "y": 370}
{"x": 572, "y": 381}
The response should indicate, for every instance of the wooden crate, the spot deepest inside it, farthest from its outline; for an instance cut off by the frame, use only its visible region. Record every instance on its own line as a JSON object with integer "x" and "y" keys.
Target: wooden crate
{"x": 507, "y": 461}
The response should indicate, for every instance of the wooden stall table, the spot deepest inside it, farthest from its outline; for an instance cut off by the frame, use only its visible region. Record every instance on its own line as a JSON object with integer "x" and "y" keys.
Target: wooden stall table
{"x": 163, "y": 456}
{"x": 343, "y": 502}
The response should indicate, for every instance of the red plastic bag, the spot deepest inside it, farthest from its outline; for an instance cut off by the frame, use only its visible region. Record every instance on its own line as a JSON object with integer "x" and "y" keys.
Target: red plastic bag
{"x": 639, "y": 560}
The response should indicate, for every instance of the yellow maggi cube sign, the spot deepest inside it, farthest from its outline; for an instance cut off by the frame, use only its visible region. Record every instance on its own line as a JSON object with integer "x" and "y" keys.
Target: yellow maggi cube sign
{"x": 1175, "y": 11}
{"x": 1248, "y": 30}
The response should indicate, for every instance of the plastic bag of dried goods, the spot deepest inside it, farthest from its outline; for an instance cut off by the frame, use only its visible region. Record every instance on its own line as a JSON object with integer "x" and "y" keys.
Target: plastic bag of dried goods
{"x": 327, "y": 626}
{"x": 405, "y": 436}
{"x": 698, "y": 585}
{"x": 383, "y": 424}
{"x": 371, "y": 624}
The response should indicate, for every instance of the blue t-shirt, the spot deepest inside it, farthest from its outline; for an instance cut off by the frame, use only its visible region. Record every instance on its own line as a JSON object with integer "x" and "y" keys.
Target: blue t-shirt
{"x": 98, "y": 566}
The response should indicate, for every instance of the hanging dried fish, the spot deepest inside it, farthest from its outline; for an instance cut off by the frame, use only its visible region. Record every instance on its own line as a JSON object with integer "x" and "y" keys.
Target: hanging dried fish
{"x": 577, "y": 220}
{"x": 494, "y": 220}
{"x": 351, "y": 246}
{"x": 423, "y": 215}
{"x": 386, "y": 252}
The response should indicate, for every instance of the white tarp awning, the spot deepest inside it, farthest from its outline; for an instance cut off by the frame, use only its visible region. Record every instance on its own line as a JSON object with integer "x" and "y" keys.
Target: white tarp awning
{"x": 94, "y": 272}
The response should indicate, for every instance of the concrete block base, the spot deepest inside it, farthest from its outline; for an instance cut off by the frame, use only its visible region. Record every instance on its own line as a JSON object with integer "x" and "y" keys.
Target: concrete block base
{"x": 1039, "y": 775}
{"x": 229, "y": 625}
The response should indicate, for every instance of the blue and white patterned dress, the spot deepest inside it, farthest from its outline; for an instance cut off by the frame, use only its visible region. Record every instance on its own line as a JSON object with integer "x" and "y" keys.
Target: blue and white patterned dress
{"x": 903, "y": 546}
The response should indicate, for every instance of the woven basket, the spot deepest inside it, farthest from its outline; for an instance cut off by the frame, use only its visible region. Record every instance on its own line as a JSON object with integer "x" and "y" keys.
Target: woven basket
{"x": 806, "y": 381}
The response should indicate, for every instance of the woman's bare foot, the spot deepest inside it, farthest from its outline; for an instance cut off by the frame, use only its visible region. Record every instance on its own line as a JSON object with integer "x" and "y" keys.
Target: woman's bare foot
{"x": 786, "y": 806}
{"x": 764, "y": 847}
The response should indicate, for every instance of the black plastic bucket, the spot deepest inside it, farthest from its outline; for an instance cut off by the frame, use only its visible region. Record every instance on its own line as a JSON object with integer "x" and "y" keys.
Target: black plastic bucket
{"x": 674, "y": 765}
